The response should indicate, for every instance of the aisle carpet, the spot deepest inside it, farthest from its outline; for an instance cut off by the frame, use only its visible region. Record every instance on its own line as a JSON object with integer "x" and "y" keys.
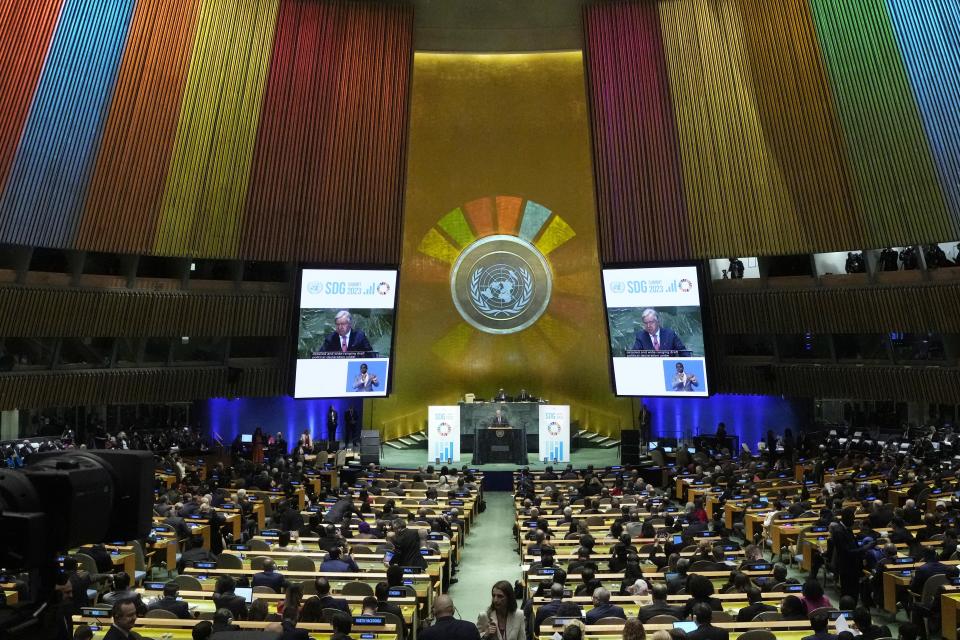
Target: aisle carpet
{"x": 489, "y": 555}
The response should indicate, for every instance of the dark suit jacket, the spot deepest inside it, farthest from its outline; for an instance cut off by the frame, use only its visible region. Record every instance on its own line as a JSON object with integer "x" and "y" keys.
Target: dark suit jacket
{"x": 648, "y": 611}
{"x": 668, "y": 341}
{"x": 605, "y": 611}
{"x": 821, "y": 636}
{"x": 178, "y": 607}
{"x": 926, "y": 571}
{"x": 357, "y": 342}
{"x": 450, "y": 629}
{"x": 234, "y": 603}
{"x": 114, "y": 633}
{"x": 708, "y": 632}
{"x": 750, "y": 612}
{"x": 329, "y": 602}
{"x": 273, "y": 580}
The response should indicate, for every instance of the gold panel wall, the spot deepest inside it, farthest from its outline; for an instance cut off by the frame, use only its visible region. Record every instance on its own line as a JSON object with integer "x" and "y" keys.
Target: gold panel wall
{"x": 499, "y": 144}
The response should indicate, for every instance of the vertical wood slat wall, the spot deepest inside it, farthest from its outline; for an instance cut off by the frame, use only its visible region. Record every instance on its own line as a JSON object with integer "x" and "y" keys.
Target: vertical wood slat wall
{"x": 159, "y": 127}
{"x": 819, "y": 125}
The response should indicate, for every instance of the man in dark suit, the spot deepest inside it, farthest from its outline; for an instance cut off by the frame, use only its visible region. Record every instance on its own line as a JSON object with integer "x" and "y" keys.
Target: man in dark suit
{"x": 344, "y": 338}
{"x": 848, "y": 554}
{"x": 755, "y": 606}
{"x": 225, "y": 598}
{"x": 269, "y": 577}
{"x": 556, "y": 607}
{"x": 499, "y": 419}
{"x": 931, "y": 566}
{"x": 659, "y": 606}
{"x": 170, "y": 603}
{"x": 706, "y": 631}
{"x": 326, "y": 600}
{"x": 654, "y": 337}
{"x": 446, "y": 627}
{"x": 679, "y": 581}
{"x": 819, "y": 621}
{"x": 194, "y": 553}
{"x": 602, "y": 607}
{"x": 124, "y": 618}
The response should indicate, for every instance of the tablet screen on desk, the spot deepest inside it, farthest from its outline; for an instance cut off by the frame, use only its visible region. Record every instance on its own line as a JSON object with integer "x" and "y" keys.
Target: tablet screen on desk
{"x": 686, "y": 625}
{"x": 245, "y": 592}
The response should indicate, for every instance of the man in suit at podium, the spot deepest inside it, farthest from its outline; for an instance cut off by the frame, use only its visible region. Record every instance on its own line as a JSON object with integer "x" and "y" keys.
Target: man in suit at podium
{"x": 499, "y": 420}
{"x": 654, "y": 337}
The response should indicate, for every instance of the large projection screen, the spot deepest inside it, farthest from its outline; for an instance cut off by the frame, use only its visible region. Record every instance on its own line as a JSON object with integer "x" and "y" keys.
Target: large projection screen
{"x": 655, "y": 325}
{"x": 344, "y": 337}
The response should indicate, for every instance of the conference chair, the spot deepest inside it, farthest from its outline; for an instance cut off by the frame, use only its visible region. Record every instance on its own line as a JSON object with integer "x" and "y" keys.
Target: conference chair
{"x": 357, "y": 588}
{"x": 768, "y": 616}
{"x": 610, "y": 620}
{"x": 263, "y": 589}
{"x": 229, "y": 561}
{"x": 392, "y": 618}
{"x": 258, "y": 545}
{"x": 359, "y": 548}
{"x": 300, "y": 563}
{"x": 160, "y": 613}
{"x": 723, "y": 616}
{"x": 663, "y": 619}
{"x": 139, "y": 562}
{"x": 329, "y": 613}
{"x": 257, "y": 562}
{"x": 309, "y": 587}
{"x": 757, "y": 634}
{"x": 188, "y": 583}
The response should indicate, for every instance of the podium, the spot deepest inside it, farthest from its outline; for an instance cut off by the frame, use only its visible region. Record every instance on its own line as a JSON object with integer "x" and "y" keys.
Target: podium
{"x": 502, "y": 444}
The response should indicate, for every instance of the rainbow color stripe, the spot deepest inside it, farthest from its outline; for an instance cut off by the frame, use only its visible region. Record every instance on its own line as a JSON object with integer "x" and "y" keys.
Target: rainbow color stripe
{"x": 236, "y": 128}
{"x": 133, "y": 125}
{"x": 815, "y": 125}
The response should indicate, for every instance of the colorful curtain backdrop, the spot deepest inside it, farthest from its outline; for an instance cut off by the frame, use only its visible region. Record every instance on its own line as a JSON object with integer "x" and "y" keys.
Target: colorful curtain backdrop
{"x": 499, "y": 145}
{"x": 265, "y": 129}
{"x": 810, "y": 126}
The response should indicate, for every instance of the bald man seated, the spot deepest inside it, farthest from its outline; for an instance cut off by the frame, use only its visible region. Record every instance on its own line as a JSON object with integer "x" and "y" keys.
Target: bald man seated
{"x": 445, "y": 626}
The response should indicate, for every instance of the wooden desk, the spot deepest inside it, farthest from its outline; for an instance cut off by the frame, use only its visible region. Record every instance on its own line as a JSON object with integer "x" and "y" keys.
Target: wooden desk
{"x": 177, "y": 629}
{"x": 949, "y": 603}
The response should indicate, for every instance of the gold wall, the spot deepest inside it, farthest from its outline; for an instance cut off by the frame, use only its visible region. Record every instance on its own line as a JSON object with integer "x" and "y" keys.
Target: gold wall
{"x": 489, "y": 135}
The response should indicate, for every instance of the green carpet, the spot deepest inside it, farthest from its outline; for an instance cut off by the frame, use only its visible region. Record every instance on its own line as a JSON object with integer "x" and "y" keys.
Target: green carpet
{"x": 488, "y": 556}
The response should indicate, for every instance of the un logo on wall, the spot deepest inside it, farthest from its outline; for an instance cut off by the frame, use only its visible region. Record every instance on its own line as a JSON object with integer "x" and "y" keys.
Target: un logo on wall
{"x": 501, "y": 284}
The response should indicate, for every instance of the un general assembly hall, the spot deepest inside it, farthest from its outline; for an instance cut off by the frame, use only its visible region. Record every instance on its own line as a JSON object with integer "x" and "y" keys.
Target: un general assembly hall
{"x": 479, "y": 319}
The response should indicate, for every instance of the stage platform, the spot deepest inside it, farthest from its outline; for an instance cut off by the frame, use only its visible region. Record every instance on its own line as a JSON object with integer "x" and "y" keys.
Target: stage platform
{"x": 498, "y": 476}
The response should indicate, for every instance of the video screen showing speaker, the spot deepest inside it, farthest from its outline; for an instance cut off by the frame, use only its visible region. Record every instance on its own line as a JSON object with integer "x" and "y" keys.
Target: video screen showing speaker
{"x": 656, "y": 332}
{"x": 344, "y": 332}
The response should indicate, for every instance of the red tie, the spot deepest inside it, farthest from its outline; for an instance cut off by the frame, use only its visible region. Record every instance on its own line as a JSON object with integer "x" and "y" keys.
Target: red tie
{"x": 343, "y": 343}
{"x": 656, "y": 343}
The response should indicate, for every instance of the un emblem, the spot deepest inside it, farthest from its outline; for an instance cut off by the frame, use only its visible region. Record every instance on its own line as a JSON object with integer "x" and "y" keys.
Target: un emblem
{"x": 501, "y": 284}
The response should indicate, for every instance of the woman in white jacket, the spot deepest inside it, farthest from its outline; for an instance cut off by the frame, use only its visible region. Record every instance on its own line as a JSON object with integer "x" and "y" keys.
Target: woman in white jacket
{"x": 503, "y": 620}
